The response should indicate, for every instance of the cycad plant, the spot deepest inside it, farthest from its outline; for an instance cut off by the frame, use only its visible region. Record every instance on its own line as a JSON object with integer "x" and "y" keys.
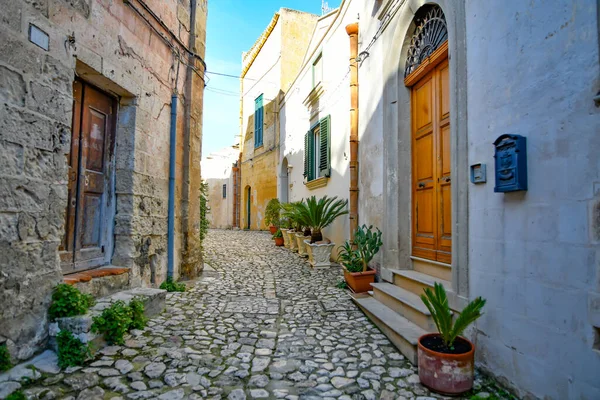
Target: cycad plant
{"x": 436, "y": 302}
{"x": 320, "y": 213}
{"x": 291, "y": 212}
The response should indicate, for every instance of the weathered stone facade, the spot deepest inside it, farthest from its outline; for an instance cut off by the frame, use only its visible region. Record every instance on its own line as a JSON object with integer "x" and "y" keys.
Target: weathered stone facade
{"x": 217, "y": 172}
{"x": 268, "y": 69}
{"x": 136, "y": 56}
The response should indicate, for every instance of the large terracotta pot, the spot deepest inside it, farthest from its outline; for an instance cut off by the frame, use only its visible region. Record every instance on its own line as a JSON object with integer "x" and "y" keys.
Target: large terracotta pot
{"x": 319, "y": 254}
{"x": 449, "y": 374}
{"x": 301, "y": 246}
{"x": 272, "y": 229}
{"x": 359, "y": 282}
{"x": 278, "y": 241}
{"x": 293, "y": 245}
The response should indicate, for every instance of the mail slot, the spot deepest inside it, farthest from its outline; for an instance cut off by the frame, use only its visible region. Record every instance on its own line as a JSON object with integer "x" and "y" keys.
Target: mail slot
{"x": 511, "y": 163}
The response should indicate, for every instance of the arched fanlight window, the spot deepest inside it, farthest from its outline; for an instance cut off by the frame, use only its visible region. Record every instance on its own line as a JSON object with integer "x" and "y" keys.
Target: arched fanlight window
{"x": 430, "y": 33}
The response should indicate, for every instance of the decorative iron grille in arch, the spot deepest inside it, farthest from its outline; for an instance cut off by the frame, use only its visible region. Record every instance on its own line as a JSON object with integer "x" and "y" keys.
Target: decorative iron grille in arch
{"x": 431, "y": 32}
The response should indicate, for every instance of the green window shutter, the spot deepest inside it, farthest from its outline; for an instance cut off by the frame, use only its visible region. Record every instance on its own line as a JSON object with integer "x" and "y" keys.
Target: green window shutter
{"x": 309, "y": 155}
{"x": 325, "y": 145}
{"x": 258, "y": 121}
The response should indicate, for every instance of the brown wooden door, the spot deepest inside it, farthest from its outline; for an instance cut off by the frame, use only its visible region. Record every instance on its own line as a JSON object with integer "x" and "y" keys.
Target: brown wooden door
{"x": 85, "y": 241}
{"x": 432, "y": 208}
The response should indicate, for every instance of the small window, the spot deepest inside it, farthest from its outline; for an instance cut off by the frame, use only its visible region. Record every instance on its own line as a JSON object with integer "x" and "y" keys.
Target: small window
{"x": 317, "y": 149}
{"x": 317, "y": 70}
{"x": 225, "y": 191}
{"x": 258, "y": 121}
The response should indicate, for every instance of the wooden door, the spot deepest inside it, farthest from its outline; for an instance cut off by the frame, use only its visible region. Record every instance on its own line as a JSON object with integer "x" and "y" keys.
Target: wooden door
{"x": 432, "y": 208}
{"x": 248, "y": 205}
{"x": 92, "y": 138}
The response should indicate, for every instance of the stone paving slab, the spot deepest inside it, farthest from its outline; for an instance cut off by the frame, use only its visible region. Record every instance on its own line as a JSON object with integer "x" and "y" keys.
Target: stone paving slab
{"x": 262, "y": 325}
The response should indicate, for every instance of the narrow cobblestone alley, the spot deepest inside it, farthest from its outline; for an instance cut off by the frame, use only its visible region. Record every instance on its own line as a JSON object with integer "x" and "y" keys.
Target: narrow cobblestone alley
{"x": 259, "y": 324}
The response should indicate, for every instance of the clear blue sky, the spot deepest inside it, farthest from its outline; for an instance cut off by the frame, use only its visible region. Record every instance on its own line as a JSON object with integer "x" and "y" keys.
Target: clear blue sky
{"x": 233, "y": 27}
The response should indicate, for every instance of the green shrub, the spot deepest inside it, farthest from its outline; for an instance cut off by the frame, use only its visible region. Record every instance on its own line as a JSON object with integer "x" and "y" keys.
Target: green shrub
{"x": 5, "y": 364}
{"x": 341, "y": 284}
{"x": 72, "y": 352}
{"x": 170, "y": 286}
{"x": 18, "y": 395}
{"x": 272, "y": 212}
{"x": 114, "y": 322}
{"x": 138, "y": 320}
{"x": 68, "y": 301}
{"x": 277, "y": 234}
{"x": 436, "y": 302}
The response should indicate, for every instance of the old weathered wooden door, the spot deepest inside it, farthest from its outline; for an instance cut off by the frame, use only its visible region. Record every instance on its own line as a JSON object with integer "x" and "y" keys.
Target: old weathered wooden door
{"x": 432, "y": 208}
{"x": 92, "y": 138}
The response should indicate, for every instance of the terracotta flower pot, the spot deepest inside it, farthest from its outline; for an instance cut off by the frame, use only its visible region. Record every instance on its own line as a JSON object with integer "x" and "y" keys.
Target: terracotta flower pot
{"x": 359, "y": 282}
{"x": 272, "y": 229}
{"x": 278, "y": 241}
{"x": 449, "y": 374}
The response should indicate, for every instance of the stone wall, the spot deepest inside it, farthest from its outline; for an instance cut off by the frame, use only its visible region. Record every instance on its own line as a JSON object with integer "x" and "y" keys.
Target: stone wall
{"x": 110, "y": 46}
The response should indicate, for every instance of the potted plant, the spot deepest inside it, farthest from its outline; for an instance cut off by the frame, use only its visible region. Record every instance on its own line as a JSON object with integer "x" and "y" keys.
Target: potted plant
{"x": 272, "y": 215}
{"x": 284, "y": 226}
{"x": 446, "y": 359}
{"x": 355, "y": 258}
{"x": 317, "y": 215}
{"x": 278, "y": 237}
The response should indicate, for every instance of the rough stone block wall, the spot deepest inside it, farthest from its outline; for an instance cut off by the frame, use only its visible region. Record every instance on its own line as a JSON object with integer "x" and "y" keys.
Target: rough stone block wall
{"x": 111, "y": 47}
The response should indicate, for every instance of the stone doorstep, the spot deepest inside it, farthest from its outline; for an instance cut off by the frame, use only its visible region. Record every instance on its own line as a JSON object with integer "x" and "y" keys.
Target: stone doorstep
{"x": 87, "y": 276}
{"x": 154, "y": 303}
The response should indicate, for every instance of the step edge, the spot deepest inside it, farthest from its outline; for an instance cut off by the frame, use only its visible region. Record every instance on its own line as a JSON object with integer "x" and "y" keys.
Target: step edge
{"x": 388, "y": 288}
{"x": 409, "y": 274}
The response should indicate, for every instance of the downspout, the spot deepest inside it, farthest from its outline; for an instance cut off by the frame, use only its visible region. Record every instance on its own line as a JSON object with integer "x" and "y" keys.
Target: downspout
{"x": 171, "y": 217}
{"x": 597, "y": 98}
{"x": 352, "y": 31}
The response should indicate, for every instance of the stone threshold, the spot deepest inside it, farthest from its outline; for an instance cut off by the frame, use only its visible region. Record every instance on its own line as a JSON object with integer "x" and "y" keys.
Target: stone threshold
{"x": 87, "y": 276}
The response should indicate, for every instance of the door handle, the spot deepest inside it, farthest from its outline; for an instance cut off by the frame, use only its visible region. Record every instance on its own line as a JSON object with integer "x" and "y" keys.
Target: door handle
{"x": 421, "y": 185}
{"x": 87, "y": 181}
{"x": 447, "y": 179}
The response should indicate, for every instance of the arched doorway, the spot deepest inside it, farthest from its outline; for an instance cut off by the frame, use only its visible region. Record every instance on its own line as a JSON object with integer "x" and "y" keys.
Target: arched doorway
{"x": 427, "y": 75}
{"x": 284, "y": 194}
{"x": 248, "y": 206}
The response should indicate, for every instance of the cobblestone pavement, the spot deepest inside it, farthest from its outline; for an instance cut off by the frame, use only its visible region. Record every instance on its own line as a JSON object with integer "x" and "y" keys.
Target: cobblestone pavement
{"x": 264, "y": 325}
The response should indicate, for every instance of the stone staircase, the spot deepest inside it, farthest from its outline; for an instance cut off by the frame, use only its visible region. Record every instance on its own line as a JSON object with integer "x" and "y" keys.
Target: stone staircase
{"x": 100, "y": 282}
{"x": 396, "y": 308}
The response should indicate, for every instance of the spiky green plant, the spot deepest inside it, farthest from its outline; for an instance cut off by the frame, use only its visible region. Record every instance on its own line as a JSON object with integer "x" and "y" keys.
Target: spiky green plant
{"x": 320, "y": 213}
{"x": 436, "y": 302}
{"x": 292, "y": 213}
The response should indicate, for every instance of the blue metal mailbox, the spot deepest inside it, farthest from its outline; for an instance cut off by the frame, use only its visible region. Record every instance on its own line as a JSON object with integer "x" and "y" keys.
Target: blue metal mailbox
{"x": 511, "y": 163}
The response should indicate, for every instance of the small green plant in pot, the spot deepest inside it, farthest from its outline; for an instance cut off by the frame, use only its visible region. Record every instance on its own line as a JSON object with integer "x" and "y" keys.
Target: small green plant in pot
{"x": 446, "y": 359}
{"x": 278, "y": 237}
{"x": 272, "y": 215}
{"x": 355, "y": 258}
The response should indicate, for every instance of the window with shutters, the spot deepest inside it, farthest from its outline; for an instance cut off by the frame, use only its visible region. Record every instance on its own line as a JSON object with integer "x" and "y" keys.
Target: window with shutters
{"x": 317, "y": 150}
{"x": 258, "y": 121}
{"x": 317, "y": 70}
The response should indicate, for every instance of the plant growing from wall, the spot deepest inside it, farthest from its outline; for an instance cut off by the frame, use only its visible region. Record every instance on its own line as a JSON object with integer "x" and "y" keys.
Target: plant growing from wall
{"x": 436, "y": 302}
{"x": 5, "y": 363}
{"x": 114, "y": 322}
{"x": 72, "y": 352}
{"x": 171, "y": 286}
{"x": 318, "y": 214}
{"x": 68, "y": 301}
{"x": 204, "y": 210}
{"x": 272, "y": 212}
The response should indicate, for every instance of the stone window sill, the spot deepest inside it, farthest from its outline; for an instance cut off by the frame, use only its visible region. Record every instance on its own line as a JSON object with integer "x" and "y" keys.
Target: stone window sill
{"x": 317, "y": 183}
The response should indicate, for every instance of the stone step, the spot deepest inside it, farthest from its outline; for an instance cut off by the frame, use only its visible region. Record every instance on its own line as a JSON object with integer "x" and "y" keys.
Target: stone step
{"x": 405, "y": 303}
{"x": 416, "y": 282}
{"x": 154, "y": 303}
{"x": 433, "y": 268}
{"x": 401, "y": 332}
{"x": 100, "y": 282}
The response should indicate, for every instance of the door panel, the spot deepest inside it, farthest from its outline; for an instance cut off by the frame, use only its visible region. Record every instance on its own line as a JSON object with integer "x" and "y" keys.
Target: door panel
{"x": 92, "y": 140}
{"x": 432, "y": 207}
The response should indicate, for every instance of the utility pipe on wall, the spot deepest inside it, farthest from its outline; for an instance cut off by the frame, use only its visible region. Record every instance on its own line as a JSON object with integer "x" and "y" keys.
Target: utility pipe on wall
{"x": 352, "y": 31}
{"x": 171, "y": 218}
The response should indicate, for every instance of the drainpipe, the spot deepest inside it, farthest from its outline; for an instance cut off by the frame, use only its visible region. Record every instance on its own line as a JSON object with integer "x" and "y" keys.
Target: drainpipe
{"x": 171, "y": 220}
{"x": 352, "y": 31}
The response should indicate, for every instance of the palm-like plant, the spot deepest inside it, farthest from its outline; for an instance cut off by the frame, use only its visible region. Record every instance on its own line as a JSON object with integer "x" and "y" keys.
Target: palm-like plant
{"x": 291, "y": 211}
{"x": 436, "y": 302}
{"x": 318, "y": 214}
